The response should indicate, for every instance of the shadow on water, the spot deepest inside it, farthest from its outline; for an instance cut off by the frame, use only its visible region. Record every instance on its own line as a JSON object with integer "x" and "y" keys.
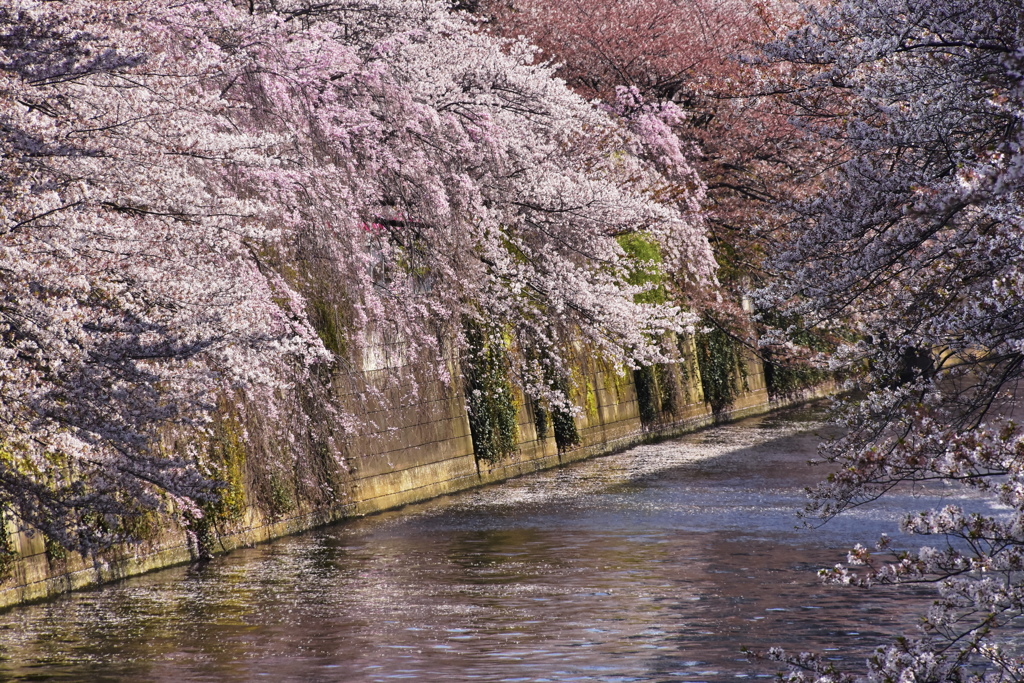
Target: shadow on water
{"x": 657, "y": 564}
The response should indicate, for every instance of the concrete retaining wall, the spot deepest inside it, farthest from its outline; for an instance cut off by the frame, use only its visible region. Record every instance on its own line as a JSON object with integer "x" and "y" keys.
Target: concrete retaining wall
{"x": 408, "y": 454}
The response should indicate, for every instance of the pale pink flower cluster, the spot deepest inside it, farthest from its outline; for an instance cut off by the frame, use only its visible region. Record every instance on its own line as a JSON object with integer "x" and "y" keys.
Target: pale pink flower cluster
{"x": 170, "y": 171}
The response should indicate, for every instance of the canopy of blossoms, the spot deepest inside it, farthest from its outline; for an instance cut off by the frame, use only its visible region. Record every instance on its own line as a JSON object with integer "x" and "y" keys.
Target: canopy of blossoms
{"x": 171, "y": 169}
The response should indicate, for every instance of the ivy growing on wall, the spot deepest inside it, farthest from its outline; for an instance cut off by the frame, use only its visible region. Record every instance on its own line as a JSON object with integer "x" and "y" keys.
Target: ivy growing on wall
{"x": 56, "y": 554}
{"x": 280, "y": 497}
{"x": 540, "y": 419}
{"x": 665, "y": 374}
{"x": 655, "y": 392}
{"x": 227, "y": 457}
{"x": 567, "y": 435}
{"x": 648, "y": 272}
{"x": 326, "y": 320}
{"x": 650, "y": 380}
{"x": 646, "y": 383}
{"x": 493, "y": 418}
{"x": 554, "y": 417}
{"x": 723, "y": 372}
{"x": 7, "y": 554}
{"x": 785, "y": 376}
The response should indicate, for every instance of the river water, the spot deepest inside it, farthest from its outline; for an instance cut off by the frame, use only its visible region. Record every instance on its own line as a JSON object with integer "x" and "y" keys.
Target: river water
{"x": 657, "y": 564}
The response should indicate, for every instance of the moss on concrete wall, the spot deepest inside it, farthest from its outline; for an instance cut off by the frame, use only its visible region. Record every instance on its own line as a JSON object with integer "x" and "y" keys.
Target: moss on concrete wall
{"x": 403, "y": 450}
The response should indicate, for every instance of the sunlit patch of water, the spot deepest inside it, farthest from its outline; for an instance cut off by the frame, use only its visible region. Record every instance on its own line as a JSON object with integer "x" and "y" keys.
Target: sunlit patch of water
{"x": 656, "y": 564}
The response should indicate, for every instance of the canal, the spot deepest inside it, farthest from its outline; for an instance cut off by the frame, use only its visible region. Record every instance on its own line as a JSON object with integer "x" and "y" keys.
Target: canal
{"x": 656, "y": 564}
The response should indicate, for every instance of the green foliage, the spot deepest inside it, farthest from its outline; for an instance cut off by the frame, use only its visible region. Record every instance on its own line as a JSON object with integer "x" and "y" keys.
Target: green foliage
{"x": 540, "y": 419}
{"x": 733, "y": 258}
{"x": 493, "y": 417}
{"x": 785, "y": 377}
{"x": 647, "y": 394}
{"x": 564, "y": 424}
{"x": 8, "y": 557}
{"x": 655, "y": 392}
{"x": 590, "y": 400}
{"x": 664, "y": 373}
{"x": 226, "y": 465}
{"x": 723, "y": 372}
{"x": 648, "y": 270}
{"x": 54, "y": 550}
{"x": 58, "y": 473}
{"x": 566, "y": 434}
{"x": 227, "y": 458}
{"x": 280, "y": 499}
{"x": 328, "y": 325}
{"x": 144, "y": 525}
{"x": 202, "y": 530}
{"x": 611, "y": 382}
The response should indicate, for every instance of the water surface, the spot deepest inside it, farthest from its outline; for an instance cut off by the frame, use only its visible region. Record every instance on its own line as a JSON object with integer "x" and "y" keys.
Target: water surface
{"x": 657, "y": 564}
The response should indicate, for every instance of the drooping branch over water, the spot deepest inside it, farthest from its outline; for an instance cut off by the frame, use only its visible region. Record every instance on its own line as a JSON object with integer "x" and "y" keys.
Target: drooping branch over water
{"x": 167, "y": 165}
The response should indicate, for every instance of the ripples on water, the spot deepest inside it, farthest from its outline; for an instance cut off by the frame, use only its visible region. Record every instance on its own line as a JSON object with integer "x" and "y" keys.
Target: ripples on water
{"x": 657, "y": 564}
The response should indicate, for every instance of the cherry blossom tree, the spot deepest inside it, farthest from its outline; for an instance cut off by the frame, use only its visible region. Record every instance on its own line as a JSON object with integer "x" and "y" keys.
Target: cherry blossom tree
{"x": 914, "y": 240}
{"x": 685, "y": 57}
{"x": 684, "y": 70}
{"x": 132, "y": 297}
{"x": 180, "y": 179}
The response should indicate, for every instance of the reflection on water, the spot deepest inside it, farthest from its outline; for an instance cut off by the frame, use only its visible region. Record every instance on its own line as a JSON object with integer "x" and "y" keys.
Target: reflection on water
{"x": 658, "y": 564}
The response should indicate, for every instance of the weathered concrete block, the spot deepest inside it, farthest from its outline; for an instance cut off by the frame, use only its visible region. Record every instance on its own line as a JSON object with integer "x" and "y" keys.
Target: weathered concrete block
{"x": 407, "y": 453}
